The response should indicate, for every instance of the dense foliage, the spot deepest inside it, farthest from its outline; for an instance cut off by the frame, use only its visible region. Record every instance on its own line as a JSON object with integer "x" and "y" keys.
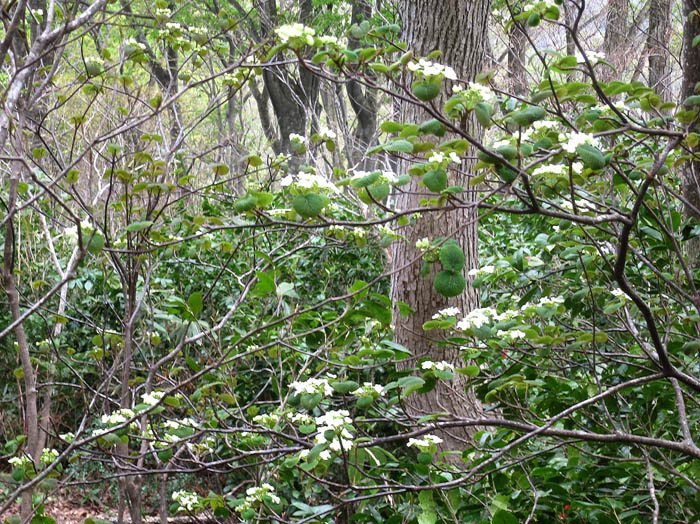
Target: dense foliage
{"x": 205, "y": 326}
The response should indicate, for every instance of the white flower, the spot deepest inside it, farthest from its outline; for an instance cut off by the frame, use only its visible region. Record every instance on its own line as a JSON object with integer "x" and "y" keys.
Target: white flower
{"x": 334, "y": 419}
{"x": 454, "y": 157}
{"x": 306, "y": 180}
{"x": 256, "y": 495}
{"x": 297, "y": 32}
{"x": 152, "y": 398}
{"x": 551, "y": 169}
{"x": 68, "y": 437}
{"x": 476, "y": 318}
{"x": 187, "y": 500}
{"x": 312, "y": 386}
{"x": 593, "y": 56}
{"x": 269, "y": 420}
{"x": 117, "y": 417}
{"x": 512, "y": 334}
{"x": 437, "y": 157}
{"x": 48, "y": 456}
{"x": 438, "y": 366}
{"x": 431, "y": 69}
{"x": 447, "y": 312}
{"x": 576, "y": 139}
{"x": 369, "y": 389}
{"x": 326, "y": 134}
{"x": 478, "y": 272}
{"x": 425, "y": 442}
{"x": 481, "y": 91}
{"x": 423, "y": 244}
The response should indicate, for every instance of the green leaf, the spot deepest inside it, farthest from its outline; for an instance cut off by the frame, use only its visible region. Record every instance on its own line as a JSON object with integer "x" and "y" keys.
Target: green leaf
{"x": 426, "y": 91}
{"x": 470, "y": 371}
{"x": 345, "y": 387}
{"x": 398, "y": 146}
{"x": 435, "y": 180}
{"x": 195, "y": 302}
{"x": 366, "y": 180}
{"x": 432, "y": 127}
{"x": 693, "y": 100}
{"x": 410, "y": 384}
{"x": 528, "y": 116}
{"x": 591, "y": 156}
{"x": 309, "y": 205}
{"x": 245, "y": 204}
{"x": 503, "y": 517}
{"x": 96, "y": 244}
{"x": 483, "y": 112}
{"x": 695, "y": 41}
{"x": 138, "y": 226}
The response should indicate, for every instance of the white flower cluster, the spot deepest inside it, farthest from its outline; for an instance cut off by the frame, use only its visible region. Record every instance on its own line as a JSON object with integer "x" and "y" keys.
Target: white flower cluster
{"x": 295, "y": 31}
{"x": 293, "y": 137}
{"x": 312, "y": 386}
{"x": 476, "y": 318}
{"x": 326, "y": 134}
{"x": 256, "y": 495}
{"x": 48, "y": 456}
{"x": 425, "y": 442}
{"x": 23, "y": 462}
{"x": 68, "y": 437}
{"x": 306, "y": 180}
{"x": 576, "y": 139}
{"x": 206, "y": 445}
{"x": 617, "y": 292}
{"x": 530, "y": 6}
{"x": 428, "y": 365}
{"x": 481, "y": 271}
{"x": 423, "y": 244}
{"x": 117, "y": 417}
{"x": 187, "y": 500}
{"x": 558, "y": 169}
{"x": 431, "y": 69}
{"x": 269, "y": 420}
{"x": 368, "y": 389}
{"x": 329, "y": 40}
{"x": 152, "y": 398}
{"x": 300, "y": 418}
{"x": 439, "y": 157}
{"x": 512, "y": 334}
{"x": 447, "y": 312}
{"x": 593, "y": 57}
{"x": 335, "y": 421}
{"x": 133, "y": 45}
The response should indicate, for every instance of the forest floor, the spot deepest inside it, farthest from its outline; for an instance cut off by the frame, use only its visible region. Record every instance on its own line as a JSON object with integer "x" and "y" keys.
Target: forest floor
{"x": 63, "y": 512}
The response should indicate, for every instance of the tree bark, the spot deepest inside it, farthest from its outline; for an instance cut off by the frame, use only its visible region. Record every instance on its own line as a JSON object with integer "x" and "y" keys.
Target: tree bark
{"x": 458, "y": 28}
{"x": 657, "y": 44}
{"x": 615, "y": 42}
{"x": 362, "y": 101}
{"x": 691, "y": 86}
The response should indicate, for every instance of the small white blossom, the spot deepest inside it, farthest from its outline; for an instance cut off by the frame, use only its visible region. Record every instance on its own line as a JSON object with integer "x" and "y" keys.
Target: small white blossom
{"x": 476, "y": 318}
{"x": 312, "y": 386}
{"x": 425, "y": 442}
{"x": 326, "y": 134}
{"x": 431, "y": 69}
{"x": 438, "y": 366}
{"x": 152, "y": 398}
{"x": 187, "y": 500}
{"x": 297, "y": 31}
{"x": 481, "y": 271}
{"x": 512, "y": 334}
{"x": 423, "y": 244}
{"x": 576, "y": 139}
{"x": 48, "y": 456}
{"x": 593, "y": 56}
{"x": 369, "y": 389}
{"x": 447, "y": 312}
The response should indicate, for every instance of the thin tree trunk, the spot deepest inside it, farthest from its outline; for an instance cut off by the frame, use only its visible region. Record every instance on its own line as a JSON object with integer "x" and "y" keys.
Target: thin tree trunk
{"x": 458, "y": 28}
{"x": 657, "y": 44}
{"x": 691, "y": 86}
{"x": 615, "y": 42}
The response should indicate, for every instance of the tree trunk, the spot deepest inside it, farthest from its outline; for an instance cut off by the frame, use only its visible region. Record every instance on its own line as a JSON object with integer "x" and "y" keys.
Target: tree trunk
{"x": 691, "y": 86}
{"x": 615, "y": 42}
{"x": 458, "y": 29}
{"x": 517, "y": 69}
{"x": 657, "y": 44}
{"x": 363, "y": 101}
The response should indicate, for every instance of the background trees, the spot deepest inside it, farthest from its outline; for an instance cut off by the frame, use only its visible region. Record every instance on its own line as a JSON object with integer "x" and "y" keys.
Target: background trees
{"x": 200, "y": 325}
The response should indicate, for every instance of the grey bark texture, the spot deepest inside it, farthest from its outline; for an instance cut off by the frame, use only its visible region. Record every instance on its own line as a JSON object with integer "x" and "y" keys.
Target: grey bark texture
{"x": 657, "y": 44}
{"x": 691, "y": 86}
{"x": 458, "y": 28}
{"x": 615, "y": 44}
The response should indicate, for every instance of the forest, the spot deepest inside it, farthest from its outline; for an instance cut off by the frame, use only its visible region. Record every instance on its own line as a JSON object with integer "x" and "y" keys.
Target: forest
{"x": 350, "y": 261}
